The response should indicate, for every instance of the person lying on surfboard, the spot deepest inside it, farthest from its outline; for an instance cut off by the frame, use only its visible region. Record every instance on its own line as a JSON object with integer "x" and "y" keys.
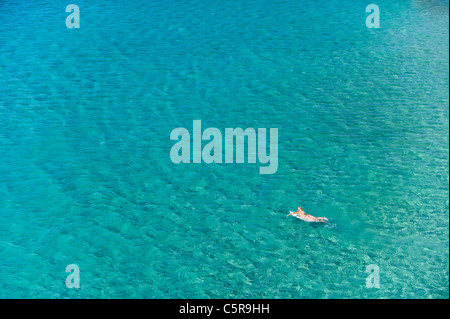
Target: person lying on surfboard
{"x": 306, "y": 217}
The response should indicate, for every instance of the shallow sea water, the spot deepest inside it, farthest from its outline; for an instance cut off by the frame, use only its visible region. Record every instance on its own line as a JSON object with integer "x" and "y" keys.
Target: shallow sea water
{"x": 86, "y": 176}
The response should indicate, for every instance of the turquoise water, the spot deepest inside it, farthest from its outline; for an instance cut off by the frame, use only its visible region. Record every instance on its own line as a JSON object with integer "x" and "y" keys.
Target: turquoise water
{"x": 86, "y": 176}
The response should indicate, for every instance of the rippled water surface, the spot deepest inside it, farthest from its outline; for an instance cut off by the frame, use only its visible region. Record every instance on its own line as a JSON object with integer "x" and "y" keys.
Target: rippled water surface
{"x": 86, "y": 176}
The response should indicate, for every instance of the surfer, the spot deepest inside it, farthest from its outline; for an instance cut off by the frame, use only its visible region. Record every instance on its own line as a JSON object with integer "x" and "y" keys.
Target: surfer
{"x": 306, "y": 217}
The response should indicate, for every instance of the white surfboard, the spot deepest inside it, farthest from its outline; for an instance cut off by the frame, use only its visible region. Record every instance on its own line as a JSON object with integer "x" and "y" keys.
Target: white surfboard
{"x": 305, "y": 220}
